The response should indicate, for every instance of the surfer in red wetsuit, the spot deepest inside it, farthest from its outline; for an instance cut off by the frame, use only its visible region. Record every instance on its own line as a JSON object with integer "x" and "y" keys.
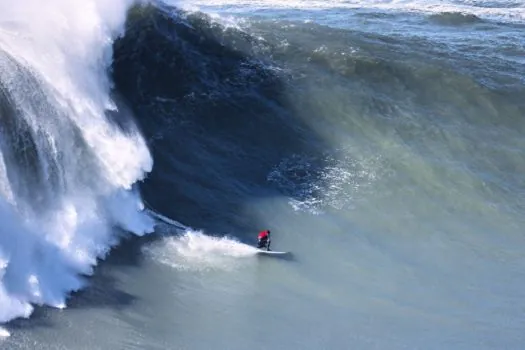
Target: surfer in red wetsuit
{"x": 263, "y": 240}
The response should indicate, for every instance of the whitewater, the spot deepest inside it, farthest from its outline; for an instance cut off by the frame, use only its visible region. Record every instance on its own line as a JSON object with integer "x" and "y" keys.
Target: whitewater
{"x": 67, "y": 167}
{"x": 144, "y": 144}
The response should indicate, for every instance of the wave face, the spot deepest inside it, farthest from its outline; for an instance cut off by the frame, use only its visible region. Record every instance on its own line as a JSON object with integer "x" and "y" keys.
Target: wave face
{"x": 70, "y": 154}
{"x": 209, "y": 100}
{"x": 243, "y": 110}
{"x": 397, "y": 158}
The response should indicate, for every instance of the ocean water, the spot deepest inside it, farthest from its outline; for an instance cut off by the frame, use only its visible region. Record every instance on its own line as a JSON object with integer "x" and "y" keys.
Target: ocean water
{"x": 144, "y": 145}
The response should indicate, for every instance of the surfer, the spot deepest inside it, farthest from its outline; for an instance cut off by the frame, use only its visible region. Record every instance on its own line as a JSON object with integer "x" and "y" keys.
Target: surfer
{"x": 263, "y": 240}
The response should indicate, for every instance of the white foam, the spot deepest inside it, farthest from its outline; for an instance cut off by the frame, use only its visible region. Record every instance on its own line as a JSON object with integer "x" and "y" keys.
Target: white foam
{"x": 4, "y": 333}
{"x": 338, "y": 184}
{"x": 197, "y": 251}
{"x": 54, "y": 59}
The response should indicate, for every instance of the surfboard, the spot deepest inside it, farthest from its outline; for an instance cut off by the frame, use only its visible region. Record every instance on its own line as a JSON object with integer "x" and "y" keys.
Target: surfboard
{"x": 270, "y": 252}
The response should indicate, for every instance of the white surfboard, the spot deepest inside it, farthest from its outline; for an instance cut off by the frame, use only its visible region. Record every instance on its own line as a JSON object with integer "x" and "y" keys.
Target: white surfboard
{"x": 270, "y": 252}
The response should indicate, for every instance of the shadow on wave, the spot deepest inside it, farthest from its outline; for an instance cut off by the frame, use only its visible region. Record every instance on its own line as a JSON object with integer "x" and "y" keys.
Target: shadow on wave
{"x": 215, "y": 110}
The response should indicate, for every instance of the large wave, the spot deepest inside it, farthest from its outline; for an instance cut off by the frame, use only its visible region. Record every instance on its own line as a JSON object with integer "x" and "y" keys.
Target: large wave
{"x": 70, "y": 154}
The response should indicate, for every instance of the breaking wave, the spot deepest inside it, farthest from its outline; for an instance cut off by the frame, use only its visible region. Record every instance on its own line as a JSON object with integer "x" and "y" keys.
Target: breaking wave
{"x": 70, "y": 154}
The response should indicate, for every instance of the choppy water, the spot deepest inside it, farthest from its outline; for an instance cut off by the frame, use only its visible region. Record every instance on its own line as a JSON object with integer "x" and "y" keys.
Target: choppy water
{"x": 381, "y": 142}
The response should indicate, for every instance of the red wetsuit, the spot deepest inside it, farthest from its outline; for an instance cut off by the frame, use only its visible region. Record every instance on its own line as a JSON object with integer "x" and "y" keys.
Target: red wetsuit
{"x": 264, "y": 239}
{"x": 262, "y": 235}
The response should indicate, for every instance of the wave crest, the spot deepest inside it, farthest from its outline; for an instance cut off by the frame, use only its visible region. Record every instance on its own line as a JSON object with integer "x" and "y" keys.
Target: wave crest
{"x": 455, "y": 18}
